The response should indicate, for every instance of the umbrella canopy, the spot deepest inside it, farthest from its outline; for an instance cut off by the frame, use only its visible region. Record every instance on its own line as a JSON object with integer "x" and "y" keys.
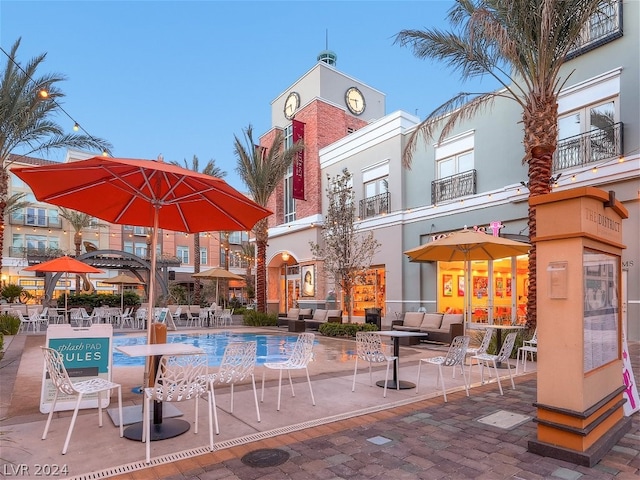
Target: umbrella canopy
{"x": 131, "y": 192}
{"x": 64, "y": 264}
{"x": 466, "y": 245}
{"x": 121, "y": 280}
{"x": 217, "y": 273}
{"x": 146, "y": 193}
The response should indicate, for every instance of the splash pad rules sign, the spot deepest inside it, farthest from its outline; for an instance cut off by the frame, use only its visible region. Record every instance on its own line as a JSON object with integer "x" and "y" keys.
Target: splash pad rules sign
{"x": 86, "y": 353}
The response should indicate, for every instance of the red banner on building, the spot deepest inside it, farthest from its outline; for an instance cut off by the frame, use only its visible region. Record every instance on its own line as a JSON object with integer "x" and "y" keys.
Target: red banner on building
{"x": 298, "y": 162}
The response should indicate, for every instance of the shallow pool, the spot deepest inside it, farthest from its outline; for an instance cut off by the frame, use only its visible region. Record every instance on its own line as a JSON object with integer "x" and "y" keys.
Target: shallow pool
{"x": 271, "y": 348}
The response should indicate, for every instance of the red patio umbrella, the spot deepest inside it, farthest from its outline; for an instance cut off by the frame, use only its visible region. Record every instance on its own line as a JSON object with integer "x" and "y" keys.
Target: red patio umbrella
{"x": 146, "y": 193}
{"x": 64, "y": 264}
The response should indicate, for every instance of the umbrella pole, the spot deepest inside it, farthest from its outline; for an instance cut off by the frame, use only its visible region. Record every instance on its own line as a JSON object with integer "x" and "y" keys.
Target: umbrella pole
{"x": 152, "y": 286}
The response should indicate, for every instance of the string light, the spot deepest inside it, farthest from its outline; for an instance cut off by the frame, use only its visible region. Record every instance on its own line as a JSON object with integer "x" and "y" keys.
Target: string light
{"x": 43, "y": 93}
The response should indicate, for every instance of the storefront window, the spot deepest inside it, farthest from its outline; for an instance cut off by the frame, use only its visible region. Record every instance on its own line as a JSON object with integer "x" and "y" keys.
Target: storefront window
{"x": 370, "y": 291}
{"x": 495, "y": 291}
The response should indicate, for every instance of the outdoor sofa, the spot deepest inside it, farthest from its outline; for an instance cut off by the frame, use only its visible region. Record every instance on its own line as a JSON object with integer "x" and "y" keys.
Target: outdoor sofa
{"x": 321, "y": 316}
{"x": 439, "y": 327}
{"x": 293, "y": 314}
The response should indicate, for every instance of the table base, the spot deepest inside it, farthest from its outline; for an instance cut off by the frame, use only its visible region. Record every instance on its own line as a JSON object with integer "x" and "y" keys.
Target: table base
{"x": 391, "y": 384}
{"x": 169, "y": 428}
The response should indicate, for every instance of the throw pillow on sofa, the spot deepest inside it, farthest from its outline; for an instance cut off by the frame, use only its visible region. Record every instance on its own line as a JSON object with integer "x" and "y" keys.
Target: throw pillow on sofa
{"x": 451, "y": 318}
{"x": 412, "y": 319}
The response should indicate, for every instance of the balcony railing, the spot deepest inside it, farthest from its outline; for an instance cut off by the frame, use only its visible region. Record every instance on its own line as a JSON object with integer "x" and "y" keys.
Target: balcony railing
{"x": 455, "y": 186}
{"x": 40, "y": 252}
{"x": 374, "y": 206}
{"x": 42, "y": 221}
{"x": 591, "y": 147}
{"x": 603, "y": 27}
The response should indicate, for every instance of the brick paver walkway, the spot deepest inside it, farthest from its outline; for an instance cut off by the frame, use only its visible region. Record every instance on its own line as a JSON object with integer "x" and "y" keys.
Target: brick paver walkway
{"x": 425, "y": 440}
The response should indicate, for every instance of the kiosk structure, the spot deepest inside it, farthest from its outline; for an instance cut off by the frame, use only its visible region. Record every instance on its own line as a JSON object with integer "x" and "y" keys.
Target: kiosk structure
{"x": 580, "y": 386}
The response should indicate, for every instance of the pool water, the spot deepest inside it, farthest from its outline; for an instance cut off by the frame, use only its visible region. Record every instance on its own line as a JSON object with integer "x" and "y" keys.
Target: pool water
{"x": 271, "y": 348}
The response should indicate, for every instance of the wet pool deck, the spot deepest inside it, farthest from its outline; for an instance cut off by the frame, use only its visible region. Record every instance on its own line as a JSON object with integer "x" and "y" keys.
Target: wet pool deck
{"x": 334, "y": 439}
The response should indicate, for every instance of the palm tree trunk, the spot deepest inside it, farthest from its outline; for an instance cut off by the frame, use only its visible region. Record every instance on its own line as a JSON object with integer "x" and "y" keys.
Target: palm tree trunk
{"x": 4, "y": 193}
{"x": 261, "y": 265}
{"x": 541, "y": 130}
{"x": 196, "y": 268}
{"x": 77, "y": 241}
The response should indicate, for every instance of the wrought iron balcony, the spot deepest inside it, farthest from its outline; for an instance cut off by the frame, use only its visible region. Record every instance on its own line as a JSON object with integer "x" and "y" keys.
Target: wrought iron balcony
{"x": 455, "y": 186}
{"x": 603, "y": 27}
{"x": 591, "y": 147}
{"x": 374, "y": 206}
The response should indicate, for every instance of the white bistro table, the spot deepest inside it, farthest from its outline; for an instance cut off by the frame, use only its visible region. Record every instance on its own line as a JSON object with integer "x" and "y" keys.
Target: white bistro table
{"x": 170, "y": 427}
{"x": 397, "y": 335}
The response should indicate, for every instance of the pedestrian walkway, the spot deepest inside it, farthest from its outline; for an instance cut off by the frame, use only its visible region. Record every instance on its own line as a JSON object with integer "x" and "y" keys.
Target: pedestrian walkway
{"x": 406, "y": 436}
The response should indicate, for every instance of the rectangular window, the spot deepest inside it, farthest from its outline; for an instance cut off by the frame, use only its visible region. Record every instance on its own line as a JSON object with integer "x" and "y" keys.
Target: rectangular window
{"x": 139, "y": 230}
{"x": 182, "y": 253}
{"x": 140, "y": 249}
{"x": 588, "y": 134}
{"x": 127, "y": 247}
{"x": 204, "y": 257}
{"x": 604, "y": 26}
{"x": 376, "y": 198}
{"x": 36, "y": 217}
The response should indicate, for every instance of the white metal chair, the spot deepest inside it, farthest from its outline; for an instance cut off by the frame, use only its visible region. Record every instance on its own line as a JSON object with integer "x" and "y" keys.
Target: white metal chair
{"x": 32, "y": 321}
{"x": 300, "y": 357}
{"x": 369, "y": 348}
{"x": 176, "y": 315}
{"x": 140, "y": 318}
{"x": 238, "y": 363}
{"x": 455, "y": 357}
{"x": 226, "y": 317}
{"x": 484, "y": 345}
{"x": 528, "y": 348}
{"x": 179, "y": 378}
{"x": 502, "y": 357}
{"x": 193, "y": 320}
{"x": 60, "y": 379}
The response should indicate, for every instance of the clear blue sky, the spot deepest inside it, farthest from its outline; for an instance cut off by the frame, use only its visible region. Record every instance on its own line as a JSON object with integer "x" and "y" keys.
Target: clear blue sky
{"x": 180, "y": 78}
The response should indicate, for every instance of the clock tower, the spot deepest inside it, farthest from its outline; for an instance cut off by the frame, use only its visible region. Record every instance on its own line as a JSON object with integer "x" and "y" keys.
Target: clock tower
{"x": 326, "y": 105}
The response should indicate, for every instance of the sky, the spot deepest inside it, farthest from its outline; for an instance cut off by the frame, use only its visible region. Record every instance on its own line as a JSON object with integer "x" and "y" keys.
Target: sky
{"x": 181, "y": 78}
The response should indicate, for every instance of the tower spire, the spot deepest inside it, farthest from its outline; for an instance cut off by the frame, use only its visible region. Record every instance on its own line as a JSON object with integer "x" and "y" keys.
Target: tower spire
{"x": 327, "y": 56}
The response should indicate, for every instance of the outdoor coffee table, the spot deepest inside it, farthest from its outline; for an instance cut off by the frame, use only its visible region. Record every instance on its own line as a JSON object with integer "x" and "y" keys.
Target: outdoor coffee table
{"x": 397, "y": 335}
{"x": 169, "y": 427}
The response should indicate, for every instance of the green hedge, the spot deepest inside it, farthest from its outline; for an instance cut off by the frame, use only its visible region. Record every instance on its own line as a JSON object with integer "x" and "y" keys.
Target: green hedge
{"x": 9, "y": 325}
{"x": 334, "y": 329}
{"x": 251, "y": 318}
{"x": 92, "y": 300}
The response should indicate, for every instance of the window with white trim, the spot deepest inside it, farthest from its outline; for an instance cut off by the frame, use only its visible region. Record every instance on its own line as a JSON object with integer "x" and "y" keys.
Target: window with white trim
{"x": 204, "y": 256}
{"x": 182, "y": 252}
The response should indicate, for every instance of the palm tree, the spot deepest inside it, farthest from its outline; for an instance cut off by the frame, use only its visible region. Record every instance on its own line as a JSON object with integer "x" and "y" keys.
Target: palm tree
{"x": 209, "y": 169}
{"x": 78, "y": 222}
{"x": 522, "y": 44}
{"x": 249, "y": 253}
{"x": 26, "y": 119}
{"x": 15, "y": 203}
{"x": 262, "y": 170}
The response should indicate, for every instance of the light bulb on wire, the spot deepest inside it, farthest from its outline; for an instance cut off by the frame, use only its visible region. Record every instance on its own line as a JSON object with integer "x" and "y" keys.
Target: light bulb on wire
{"x": 76, "y": 127}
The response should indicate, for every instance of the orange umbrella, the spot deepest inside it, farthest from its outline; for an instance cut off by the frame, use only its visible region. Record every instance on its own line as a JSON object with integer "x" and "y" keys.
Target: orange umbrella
{"x": 145, "y": 193}
{"x": 123, "y": 280}
{"x": 64, "y": 264}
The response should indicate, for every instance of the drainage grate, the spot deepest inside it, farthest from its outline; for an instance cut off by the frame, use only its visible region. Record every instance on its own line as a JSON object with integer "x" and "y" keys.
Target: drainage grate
{"x": 265, "y": 457}
{"x": 504, "y": 419}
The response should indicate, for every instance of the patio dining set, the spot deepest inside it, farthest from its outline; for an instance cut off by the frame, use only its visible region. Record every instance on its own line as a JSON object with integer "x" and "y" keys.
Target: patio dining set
{"x": 182, "y": 374}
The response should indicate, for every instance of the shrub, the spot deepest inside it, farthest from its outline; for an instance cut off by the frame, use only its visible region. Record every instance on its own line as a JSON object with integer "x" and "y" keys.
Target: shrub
{"x": 9, "y": 325}
{"x": 334, "y": 329}
{"x": 252, "y": 318}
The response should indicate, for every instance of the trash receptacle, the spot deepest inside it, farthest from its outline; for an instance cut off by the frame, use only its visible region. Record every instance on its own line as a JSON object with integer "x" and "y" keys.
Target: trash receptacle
{"x": 373, "y": 315}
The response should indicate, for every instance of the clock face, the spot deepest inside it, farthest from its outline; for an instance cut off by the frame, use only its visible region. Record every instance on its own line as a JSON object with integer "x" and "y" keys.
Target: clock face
{"x": 354, "y": 100}
{"x": 291, "y": 104}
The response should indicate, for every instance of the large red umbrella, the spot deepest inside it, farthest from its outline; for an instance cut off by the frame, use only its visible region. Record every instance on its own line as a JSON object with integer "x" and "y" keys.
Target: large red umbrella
{"x": 145, "y": 193}
{"x": 63, "y": 264}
